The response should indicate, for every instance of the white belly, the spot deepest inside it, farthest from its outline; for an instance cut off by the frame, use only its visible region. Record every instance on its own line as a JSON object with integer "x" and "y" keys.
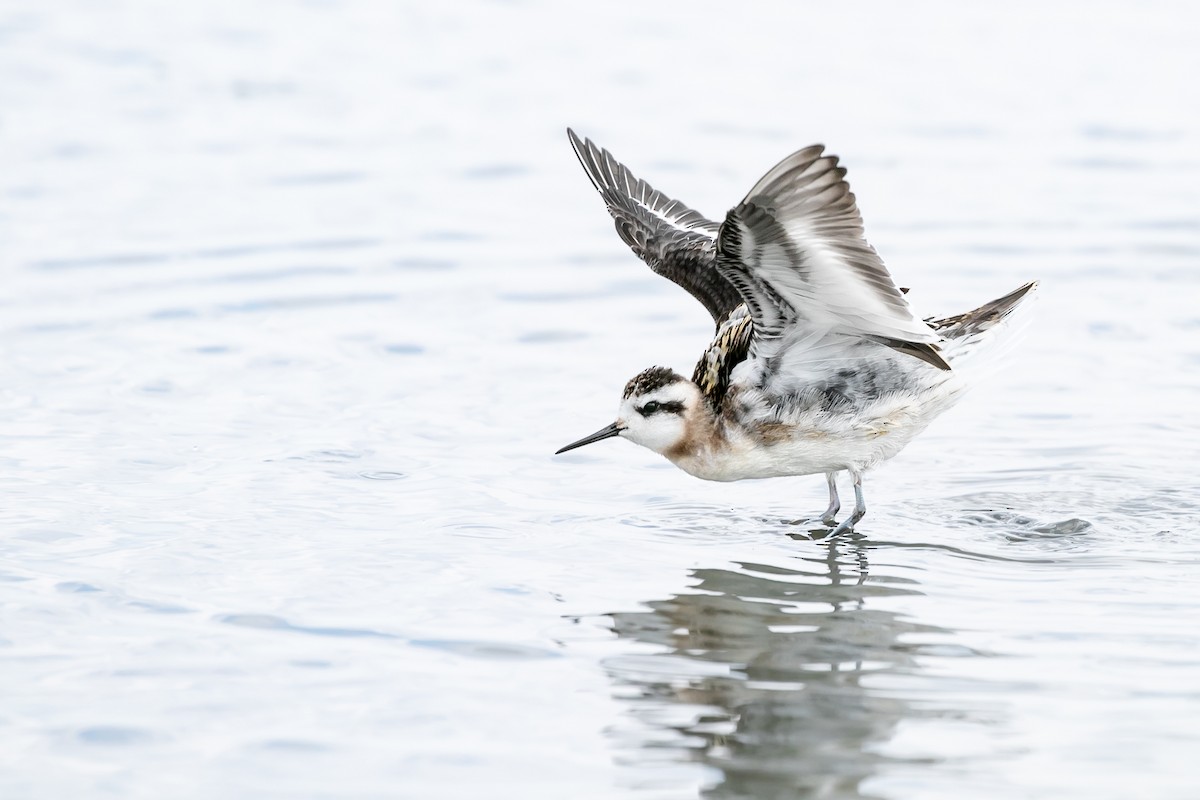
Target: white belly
{"x": 817, "y": 443}
{"x": 802, "y": 455}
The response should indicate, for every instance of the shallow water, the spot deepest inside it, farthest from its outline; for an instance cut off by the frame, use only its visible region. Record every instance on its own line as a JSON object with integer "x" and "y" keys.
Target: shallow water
{"x": 297, "y": 301}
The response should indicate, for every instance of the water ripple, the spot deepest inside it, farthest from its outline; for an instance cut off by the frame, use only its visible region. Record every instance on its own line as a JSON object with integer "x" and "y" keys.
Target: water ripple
{"x": 272, "y": 623}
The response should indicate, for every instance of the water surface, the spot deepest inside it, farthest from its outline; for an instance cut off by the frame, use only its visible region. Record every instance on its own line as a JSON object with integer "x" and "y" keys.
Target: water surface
{"x": 298, "y": 300}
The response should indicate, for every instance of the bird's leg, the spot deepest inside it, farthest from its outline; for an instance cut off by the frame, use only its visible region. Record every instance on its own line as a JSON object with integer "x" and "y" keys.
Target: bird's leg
{"x": 835, "y": 504}
{"x": 829, "y": 518}
{"x": 860, "y": 508}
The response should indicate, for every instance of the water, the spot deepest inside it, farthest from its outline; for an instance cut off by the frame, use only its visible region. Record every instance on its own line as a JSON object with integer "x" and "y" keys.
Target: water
{"x": 298, "y": 299}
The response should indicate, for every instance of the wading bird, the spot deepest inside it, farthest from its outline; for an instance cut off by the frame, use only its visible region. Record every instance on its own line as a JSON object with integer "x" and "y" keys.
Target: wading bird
{"x": 818, "y": 364}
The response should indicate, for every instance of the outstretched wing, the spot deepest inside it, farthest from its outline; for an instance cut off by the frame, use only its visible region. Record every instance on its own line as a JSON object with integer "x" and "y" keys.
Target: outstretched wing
{"x": 795, "y": 251}
{"x": 677, "y": 242}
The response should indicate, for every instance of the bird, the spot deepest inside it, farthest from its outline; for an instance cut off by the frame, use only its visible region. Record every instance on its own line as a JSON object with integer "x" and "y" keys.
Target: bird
{"x": 818, "y": 364}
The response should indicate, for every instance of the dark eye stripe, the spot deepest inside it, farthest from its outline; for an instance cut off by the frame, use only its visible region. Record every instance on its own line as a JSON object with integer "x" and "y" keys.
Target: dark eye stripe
{"x": 655, "y": 407}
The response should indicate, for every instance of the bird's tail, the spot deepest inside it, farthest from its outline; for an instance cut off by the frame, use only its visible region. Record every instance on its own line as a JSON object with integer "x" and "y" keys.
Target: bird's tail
{"x": 964, "y": 335}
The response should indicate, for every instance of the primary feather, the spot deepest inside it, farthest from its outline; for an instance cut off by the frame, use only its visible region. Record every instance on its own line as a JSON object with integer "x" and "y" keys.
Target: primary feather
{"x": 677, "y": 242}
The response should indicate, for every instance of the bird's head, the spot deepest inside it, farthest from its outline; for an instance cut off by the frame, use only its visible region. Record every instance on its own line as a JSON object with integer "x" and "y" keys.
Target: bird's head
{"x": 655, "y": 411}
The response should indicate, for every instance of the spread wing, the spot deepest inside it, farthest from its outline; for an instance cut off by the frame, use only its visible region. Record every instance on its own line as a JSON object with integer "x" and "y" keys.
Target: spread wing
{"x": 795, "y": 251}
{"x": 677, "y": 242}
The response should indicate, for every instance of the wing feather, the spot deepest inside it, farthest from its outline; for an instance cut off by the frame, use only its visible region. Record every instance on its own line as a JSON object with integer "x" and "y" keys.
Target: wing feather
{"x": 794, "y": 250}
{"x": 675, "y": 241}
{"x": 729, "y": 348}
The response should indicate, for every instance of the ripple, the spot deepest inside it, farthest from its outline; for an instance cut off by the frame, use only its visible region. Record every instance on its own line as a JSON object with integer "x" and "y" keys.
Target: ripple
{"x": 495, "y": 171}
{"x": 133, "y": 259}
{"x": 1112, "y": 133}
{"x": 115, "y": 735}
{"x": 382, "y": 475}
{"x": 331, "y": 456}
{"x": 1028, "y": 527}
{"x": 46, "y": 536}
{"x": 478, "y": 530}
{"x": 273, "y": 623}
{"x": 401, "y": 349}
{"x": 75, "y": 587}
{"x": 92, "y": 262}
{"x": 551, "y": 336}
{"x": 294, "y": 746}
{"x": 317, "y": 179}
{"x": 452, "y": 236}
{"x": 158, "y": 608}
{"x": 501, "y": 651}
{"x": 1067, "y": 527}
{"x": 173, "y": 313}
{"x": 424, "y": 264}
{"x": 1101, "y": 163}
{"x": 306, "y": 302}
{"x": 544, "y": 297}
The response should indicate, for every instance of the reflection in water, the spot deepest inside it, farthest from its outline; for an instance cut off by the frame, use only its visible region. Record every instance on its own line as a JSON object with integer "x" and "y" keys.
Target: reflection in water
{"x": 764, "y": 676}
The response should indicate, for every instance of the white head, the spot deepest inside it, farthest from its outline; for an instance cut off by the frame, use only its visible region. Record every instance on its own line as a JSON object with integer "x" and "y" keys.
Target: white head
{"x": 655, "y": 410}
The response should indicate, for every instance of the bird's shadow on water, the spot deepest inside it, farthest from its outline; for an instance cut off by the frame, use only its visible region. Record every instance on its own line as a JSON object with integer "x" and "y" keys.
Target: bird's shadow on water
{"x": 770, "y": 675}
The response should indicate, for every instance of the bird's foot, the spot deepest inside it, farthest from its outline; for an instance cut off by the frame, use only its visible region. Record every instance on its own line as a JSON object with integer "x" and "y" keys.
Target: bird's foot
{"x": 847, "y": 526}
{"x": 848, "y": 523}
{"x": 817, "y": 527}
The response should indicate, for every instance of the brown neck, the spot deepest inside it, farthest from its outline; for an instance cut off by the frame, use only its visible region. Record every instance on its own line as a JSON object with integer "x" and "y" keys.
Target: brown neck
{"x": 704, "y": 432}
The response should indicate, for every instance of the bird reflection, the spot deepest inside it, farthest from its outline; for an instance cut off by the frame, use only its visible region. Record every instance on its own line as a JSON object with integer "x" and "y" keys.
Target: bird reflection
{"x": 764, "y": 674}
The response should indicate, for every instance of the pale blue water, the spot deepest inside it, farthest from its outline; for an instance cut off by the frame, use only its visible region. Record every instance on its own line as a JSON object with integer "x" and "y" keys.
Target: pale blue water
{"x": 297, "y": 299}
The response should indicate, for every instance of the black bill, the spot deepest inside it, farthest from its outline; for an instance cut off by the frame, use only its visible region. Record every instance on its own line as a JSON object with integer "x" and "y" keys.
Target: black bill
{"x": 603, "y": 433}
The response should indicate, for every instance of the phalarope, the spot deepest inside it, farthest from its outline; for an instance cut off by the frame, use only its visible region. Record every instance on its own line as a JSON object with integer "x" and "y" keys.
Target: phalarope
{"x": 818, "y": 364}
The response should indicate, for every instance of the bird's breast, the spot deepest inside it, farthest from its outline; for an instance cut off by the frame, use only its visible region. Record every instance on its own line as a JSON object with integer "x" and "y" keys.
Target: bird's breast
{"x": 746, "y": 445}
{"x": 777, "y": 452}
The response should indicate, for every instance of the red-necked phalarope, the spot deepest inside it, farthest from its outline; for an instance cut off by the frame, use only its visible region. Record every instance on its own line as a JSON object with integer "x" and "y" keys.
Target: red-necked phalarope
{"x": 818, "y": 364}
